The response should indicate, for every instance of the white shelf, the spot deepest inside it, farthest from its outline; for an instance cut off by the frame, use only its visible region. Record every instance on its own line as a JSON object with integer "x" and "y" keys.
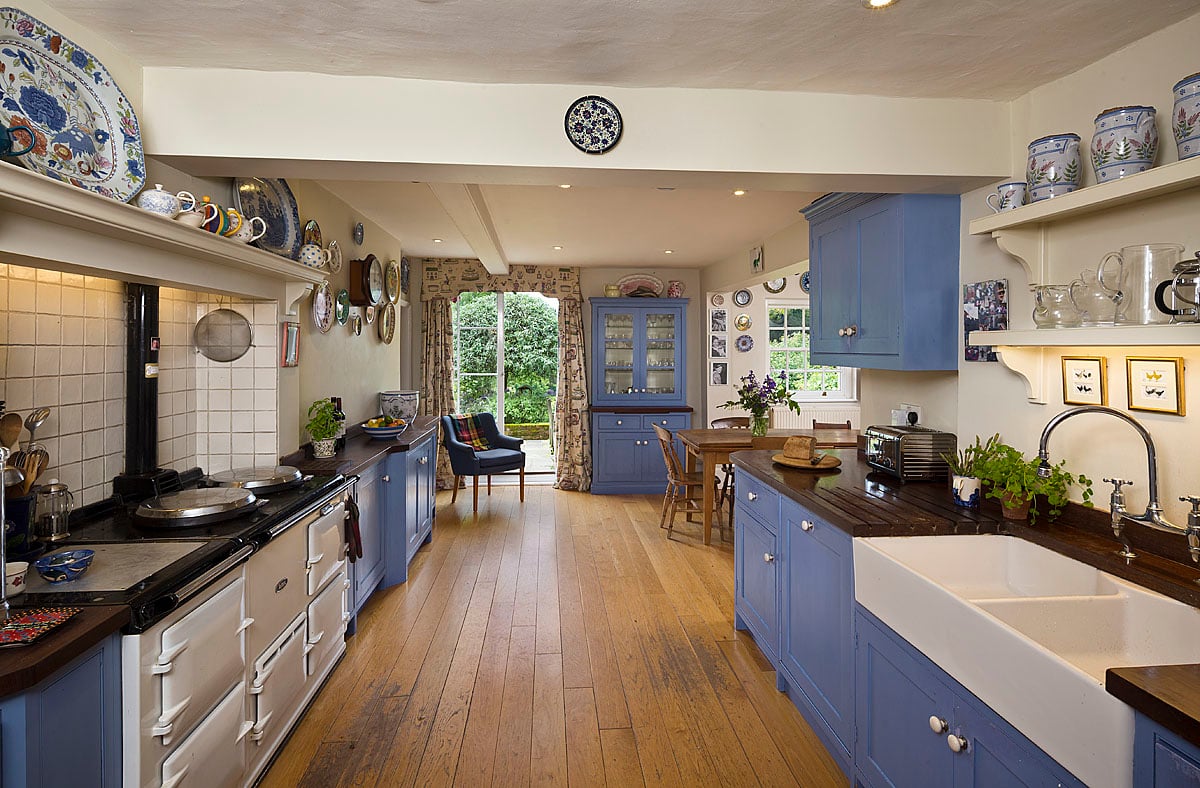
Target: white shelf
{"x": 44, "y": 222}
{"x": 1163, "y": 335}
{"x": 1154, "y": 182}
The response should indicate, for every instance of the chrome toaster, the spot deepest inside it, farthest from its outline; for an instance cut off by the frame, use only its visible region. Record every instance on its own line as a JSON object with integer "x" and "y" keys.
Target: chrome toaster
{"x": 909, "y": 453}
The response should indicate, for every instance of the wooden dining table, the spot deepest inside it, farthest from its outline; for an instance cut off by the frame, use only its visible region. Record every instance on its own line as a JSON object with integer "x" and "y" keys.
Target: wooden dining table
{"x": 711, "y": 448}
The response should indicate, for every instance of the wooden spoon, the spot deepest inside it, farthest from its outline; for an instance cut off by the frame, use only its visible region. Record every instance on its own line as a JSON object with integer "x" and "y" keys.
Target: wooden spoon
{"x": 10, "y": 429}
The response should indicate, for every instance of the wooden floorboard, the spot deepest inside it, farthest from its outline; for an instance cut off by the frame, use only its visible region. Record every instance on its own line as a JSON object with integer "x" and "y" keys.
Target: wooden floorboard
{"x": 563, "y": 640}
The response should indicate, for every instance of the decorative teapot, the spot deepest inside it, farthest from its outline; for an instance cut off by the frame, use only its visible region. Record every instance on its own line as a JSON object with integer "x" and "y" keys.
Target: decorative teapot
{"x": 163, "y": 203}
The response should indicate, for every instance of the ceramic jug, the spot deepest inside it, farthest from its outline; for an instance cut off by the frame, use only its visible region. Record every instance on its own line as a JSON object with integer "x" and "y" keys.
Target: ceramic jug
{"x": 216, "y": 218}
{"x": 1053, "y": 307}
{"x": 245, "y": 234}
{"x": 1096, "y": 304}
{"x": 1136, "y": 273}
{"x": 1185, "y": 116}
{"x": 314, "y": 256}
{"x": 1125, "y": 142}
{"x": 163, "y": 203}
{"x": 1053, "y": 167}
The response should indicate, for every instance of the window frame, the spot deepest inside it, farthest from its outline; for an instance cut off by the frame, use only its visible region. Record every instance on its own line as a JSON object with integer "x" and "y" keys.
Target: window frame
{"x": 847, "y": 390}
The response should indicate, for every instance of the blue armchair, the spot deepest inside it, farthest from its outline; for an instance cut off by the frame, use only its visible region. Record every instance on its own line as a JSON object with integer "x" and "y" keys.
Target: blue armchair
{"x": 503, "y": 453}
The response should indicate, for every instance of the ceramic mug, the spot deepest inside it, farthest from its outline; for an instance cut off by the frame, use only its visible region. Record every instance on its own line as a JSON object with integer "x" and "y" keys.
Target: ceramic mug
{"x": 216, "y": 218}
{"x": 314, "y": 256}
{"x": 1185, "y": 117}
{"x": 1008, "y": 196}
{"x": 1053, "y": 168}
{"x": 245, "y": 234}
{"x": 6, "y": 140}
{"x": 1125, "y": 142}
{"x": 235, "y": 222}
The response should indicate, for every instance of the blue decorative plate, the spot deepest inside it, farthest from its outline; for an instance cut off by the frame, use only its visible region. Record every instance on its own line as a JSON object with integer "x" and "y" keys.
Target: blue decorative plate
{"x": 744, "y": 342}
{"x": 85, "y": 130}
{"x": 593, "y": 124}
{"x": 806, "y": 281}
{"x": 271, "y": 199}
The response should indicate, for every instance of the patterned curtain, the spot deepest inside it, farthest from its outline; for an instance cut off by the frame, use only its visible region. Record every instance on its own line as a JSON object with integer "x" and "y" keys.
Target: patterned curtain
{"x": 572, "y": 429}
{"x": 437, "y": 389}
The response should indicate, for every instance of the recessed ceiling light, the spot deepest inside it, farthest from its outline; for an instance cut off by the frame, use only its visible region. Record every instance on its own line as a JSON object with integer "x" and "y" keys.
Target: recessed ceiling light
{"x": 556, "y": 248}
{"x": 564, "y": 185}
{"x": 876, "y": 4}
{"x": 668, "y": 251}
{"x": 437, "y": 240}
{"x": 738, "y": 192}
{"x": 665, "y": 188}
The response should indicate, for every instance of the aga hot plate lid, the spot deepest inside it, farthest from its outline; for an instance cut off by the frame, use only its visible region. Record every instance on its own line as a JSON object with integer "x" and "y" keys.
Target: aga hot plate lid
{"x": 258, "y": 477}
{"x": 192, "y": 507}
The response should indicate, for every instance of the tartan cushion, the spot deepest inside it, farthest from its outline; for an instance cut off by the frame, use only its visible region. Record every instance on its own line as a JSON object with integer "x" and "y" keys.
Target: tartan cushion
{"x": 470, "y": 432}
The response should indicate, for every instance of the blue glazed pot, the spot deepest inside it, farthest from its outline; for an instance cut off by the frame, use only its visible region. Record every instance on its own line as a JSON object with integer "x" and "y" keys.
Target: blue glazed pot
{"x": 1125, "y": 142}
{"x": 965, "y": 490}
{"x": 1053, "y": 168}
{"x": 1185, "y": 116}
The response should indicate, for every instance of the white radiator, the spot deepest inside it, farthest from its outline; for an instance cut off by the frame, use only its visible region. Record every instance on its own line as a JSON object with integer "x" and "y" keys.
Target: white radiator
{"x": 784, "y": 418}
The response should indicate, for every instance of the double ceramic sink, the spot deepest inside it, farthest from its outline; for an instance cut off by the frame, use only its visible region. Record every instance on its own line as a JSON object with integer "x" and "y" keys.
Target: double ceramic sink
{"x": 1031, "y": 633}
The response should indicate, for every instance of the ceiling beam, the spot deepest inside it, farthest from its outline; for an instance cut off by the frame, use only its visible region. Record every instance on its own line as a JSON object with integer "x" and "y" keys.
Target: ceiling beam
{"x": 466, "y": 207}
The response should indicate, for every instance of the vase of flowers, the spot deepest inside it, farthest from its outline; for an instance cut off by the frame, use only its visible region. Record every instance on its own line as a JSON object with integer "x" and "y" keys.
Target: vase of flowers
{"x": 756, "y": 397}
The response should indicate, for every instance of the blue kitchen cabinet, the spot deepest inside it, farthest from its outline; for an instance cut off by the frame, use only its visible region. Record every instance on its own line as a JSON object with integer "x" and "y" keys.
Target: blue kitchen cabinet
{"x": 817, "y": 642}
{"x": 1162, "y": 759}
{"x": 66, "y": 729}
{"x": 367, "y": 572}
{"x": 756, "y": 581}
{"x": 911, "y": 716}
{"x": 626, "y": 456}
{"x": 885, "y": 280}
{"x": 639, "y": 351}
{"x": 408, "y": 506}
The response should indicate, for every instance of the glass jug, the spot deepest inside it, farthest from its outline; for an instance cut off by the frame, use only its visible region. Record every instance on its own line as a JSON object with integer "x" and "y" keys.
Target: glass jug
{"x": 51, "y": 509}
{"x": 1053, "y": 307}
{"x": 1136, "y": 273}
{"x": 1095, "y": 303}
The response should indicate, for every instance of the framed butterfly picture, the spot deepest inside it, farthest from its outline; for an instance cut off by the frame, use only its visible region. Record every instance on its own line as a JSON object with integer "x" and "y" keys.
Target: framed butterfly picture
{"x": 1085, "y": 380}
{"x": 1155, "y": 384}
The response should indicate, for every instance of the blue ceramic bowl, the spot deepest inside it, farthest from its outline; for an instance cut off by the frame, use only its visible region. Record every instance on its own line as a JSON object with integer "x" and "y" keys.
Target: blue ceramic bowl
{"x": 383, "y": 433}
{"x": 65, "y": 566}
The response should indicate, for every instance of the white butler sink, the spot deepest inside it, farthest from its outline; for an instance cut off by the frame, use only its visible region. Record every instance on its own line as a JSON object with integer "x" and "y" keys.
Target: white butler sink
{"x": 1030, "y": 632}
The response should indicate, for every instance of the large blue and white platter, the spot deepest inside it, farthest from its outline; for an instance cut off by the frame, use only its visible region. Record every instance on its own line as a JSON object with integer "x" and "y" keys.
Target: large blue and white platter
{"x": 85, "y": 130}
{"x": 271, "y": 199}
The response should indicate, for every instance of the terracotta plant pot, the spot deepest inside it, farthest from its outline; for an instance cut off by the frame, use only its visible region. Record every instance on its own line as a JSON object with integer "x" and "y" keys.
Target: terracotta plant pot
{"x": 1011, "y": 509}
{"x": 324, "y": 449}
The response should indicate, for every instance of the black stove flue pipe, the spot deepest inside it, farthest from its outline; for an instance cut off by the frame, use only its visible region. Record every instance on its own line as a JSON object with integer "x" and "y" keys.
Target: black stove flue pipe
{"x": 142, "y": 476}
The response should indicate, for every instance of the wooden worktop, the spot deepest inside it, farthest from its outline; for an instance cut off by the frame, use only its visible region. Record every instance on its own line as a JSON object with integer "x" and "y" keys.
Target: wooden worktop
{"x": 362, "y": 451}
{"x": 21, "y": 667}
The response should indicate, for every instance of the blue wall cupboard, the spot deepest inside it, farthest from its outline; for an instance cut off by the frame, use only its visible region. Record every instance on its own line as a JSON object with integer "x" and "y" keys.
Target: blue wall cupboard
{"x": 66, "y": 729}
{"x": 638, "y": 379}
{"x": 885, "y": 280}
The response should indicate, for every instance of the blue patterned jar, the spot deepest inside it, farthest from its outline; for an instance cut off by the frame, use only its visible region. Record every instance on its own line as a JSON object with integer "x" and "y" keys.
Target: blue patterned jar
{"x": 1053, "y": 168}
{"x": 1185, "y": 117}
{"x": 1125, "y": 142}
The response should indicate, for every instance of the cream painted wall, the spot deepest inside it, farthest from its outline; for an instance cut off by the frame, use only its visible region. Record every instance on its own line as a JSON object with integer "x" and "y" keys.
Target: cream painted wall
{"x": 339, "y": 363}
{"x": 784, "y": 252}
{"x": 880, "y": 390}
{"x": 591, "y": 284}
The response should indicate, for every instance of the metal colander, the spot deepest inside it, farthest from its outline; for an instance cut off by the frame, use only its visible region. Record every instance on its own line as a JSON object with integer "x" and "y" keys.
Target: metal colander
{"x": 223, "y": 335}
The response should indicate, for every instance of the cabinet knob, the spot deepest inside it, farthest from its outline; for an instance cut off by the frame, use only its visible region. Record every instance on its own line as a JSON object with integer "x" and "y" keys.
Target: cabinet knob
{"x": 768, "y": 558}
{"x": 806, "y": 525}
{"x": 851, "y": 331}
{"x": 751, "y": 496}
{"x": 619, "y": 422}
{"x": 937, "y": 724}
{"x": 664, "y": 423}
{"x": 956, "y": 743}
{"x": 842, "y": 331}
{"x": 424, "y": 461}
{"x": 386, "y": 478}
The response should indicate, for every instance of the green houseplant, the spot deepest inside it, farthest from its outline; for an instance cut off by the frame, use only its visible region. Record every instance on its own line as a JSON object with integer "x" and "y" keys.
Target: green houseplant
{"x": 322, "y": 427}
{"x": 964, "y": 475}
{"x": 1014, "y": 481}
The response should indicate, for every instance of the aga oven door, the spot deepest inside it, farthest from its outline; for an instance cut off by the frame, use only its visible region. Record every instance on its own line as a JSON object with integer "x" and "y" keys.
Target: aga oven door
{"x": 278, "y": 687}
{"x": 201, "y": 657}
{"x": 213, "y": 755}
{"x": 326, "y": 545}
{"x": 327, "y": 619}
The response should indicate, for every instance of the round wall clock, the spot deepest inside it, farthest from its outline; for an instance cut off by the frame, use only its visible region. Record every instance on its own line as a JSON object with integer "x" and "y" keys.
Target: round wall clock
{"x": 742, "y": 322}
{"x": 593, "y": 124}
{"x": 775, "y": 285}
{"x": 745, "y": 342}
{"x": 366, "y": 281}
{"x": 742, "y": 297}
{"x": 806, "y": 281}
{"x": 342, "y": 307}
{"x": 391, "y": 281}
{"x": 387, "y": 323}
{"x": 322, "y": 307}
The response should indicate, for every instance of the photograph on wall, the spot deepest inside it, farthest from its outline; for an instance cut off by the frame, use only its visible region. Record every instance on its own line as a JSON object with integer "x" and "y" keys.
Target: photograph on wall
{"x": 756, "y": 259}
{"x": 719, "y": 347}
{"x": 1155, "y": 384}
{"x": 720, "y": 373}
{"x": 985, "y": 308}
{"x": 717, "y": 319}
{"x": 1085, "y": 380}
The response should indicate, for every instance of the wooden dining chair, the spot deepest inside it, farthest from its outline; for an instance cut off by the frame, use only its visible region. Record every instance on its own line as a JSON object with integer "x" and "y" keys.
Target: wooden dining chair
{"x": 726, "y": 492}
{"x": 685, "y": 491}
{"x": 831, "y": 425}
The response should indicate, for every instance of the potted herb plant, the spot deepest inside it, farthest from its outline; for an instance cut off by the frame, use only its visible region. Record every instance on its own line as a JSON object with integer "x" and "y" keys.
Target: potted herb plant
{"x": 322, "y": 427}
{"x": 1014, "y": 481}
{"x": 757, "y": 397}
{"x": 964, "y": 476}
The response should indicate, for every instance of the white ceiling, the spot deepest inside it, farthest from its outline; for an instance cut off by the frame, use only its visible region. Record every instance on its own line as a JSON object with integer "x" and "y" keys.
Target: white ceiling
{"x": 994, "y": 49}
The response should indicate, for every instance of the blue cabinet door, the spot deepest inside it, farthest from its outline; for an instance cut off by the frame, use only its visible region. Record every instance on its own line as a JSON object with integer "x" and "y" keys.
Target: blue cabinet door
{"x": 419, "y": 510}
{"x": 817, "y": 645}
{"x": 756, "y": 582}
{"x": 833, "y": 249}
{"x": 895, "y": 700}
{"x": 619, "y": 456}
{"x": 877, "y": 225}
{"x": 368, "y": 570}
{"x": 997, "y": 755}
{"x": 1162, "y": 759}
{"x": 639, "y": 351}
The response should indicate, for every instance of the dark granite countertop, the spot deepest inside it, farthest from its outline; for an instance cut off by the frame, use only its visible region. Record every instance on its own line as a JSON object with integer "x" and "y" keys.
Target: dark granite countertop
{"x": 21, "y": 667}
{"x": 867, "y": 503}
{"x": 363, "y": 451}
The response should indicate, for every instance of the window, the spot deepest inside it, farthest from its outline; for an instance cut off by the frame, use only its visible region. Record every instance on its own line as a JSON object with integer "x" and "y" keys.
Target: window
{"x": 788, "y": 334}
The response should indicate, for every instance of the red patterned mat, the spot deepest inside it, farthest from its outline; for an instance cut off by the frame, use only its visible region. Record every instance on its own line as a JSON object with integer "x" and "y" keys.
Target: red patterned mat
{"x": 25, "y": 626}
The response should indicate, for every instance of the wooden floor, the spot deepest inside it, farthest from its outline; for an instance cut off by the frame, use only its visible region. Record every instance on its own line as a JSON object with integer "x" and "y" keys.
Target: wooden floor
{"x": 560, "y": 641}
